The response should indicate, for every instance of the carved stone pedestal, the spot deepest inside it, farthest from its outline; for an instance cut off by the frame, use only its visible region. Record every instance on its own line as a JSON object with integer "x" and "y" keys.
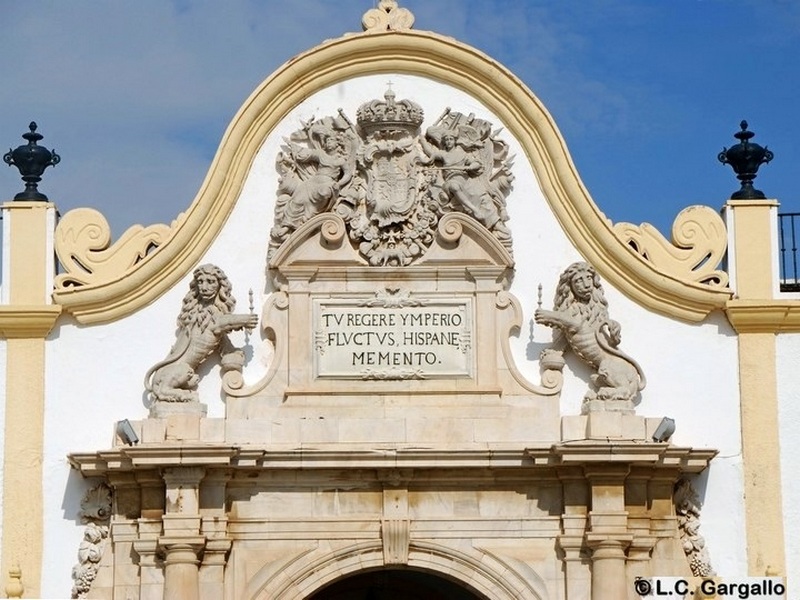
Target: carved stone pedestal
{"x": 625, "y": 407}
{"x": 160, "y": 410}
{"x": 608, "y": 425}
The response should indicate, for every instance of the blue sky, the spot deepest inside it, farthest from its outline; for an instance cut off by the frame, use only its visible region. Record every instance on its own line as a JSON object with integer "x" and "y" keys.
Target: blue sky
{"x": 135, "y": 96}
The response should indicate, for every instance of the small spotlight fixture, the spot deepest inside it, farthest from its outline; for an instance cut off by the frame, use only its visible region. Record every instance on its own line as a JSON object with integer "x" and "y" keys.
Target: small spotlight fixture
{"x": 664, "y": 430}
{"x": 126, "y": 432}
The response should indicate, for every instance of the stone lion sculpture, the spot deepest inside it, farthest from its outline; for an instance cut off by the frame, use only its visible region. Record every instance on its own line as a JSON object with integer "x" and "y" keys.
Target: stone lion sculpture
{"x": 580, "y": 316}
{"x": 205, "y": 319}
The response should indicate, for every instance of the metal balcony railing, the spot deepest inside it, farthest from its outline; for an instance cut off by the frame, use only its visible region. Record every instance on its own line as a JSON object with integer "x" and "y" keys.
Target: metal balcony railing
{"x": 789, "y": 230}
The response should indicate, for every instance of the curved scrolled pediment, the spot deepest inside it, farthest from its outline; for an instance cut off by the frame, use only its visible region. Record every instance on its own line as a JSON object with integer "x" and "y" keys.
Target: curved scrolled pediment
{"x": 321, "y": 242}
{"x": 408, "y": 52}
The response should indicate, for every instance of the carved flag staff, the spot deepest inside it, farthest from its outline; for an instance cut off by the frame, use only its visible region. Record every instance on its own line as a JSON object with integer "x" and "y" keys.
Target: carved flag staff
{"x": 538, "y": 306}
{"x": 252, "y": 307}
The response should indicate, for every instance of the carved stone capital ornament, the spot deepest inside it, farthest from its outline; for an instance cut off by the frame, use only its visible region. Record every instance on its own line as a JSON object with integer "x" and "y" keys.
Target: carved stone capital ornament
{"x": 387, "y": 17}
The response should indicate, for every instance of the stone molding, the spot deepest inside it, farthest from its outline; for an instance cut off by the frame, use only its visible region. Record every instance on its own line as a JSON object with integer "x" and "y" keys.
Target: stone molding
{"x": 588, "y": 452}
{"x": 35, "y": 321}
{"x": 764, "y": 316}
{"x": 482, "y": 571}
{"x": 417, "y": 53}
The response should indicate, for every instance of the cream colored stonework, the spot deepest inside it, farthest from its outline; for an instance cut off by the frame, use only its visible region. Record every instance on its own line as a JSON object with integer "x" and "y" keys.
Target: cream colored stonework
{"x": 453, "y": 464}
{"x": 392, "y": 426}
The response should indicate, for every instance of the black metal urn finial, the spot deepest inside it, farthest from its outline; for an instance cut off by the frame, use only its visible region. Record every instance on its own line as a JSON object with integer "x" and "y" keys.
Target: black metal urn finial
{"x": 31, "y": 160}
{"x": 745, "y": 158}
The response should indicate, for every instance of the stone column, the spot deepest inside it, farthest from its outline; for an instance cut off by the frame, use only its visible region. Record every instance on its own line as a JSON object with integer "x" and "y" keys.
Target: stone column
{"x": 637, "y": 504}
{"x": 577, "y": 577}
{"x": 181, "y": 580}
{"x": 182, "y": 542}
{"x": 608, "y": 535}
{"x": 667, "y": 549}
{"x": 151, "y": 577}
{"x": 215, "y": 530}
{"x": 212, "y": 571}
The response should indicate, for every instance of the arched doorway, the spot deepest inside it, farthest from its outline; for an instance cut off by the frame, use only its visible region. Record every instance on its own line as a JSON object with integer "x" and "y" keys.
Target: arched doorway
{"x": 395, "y": 584}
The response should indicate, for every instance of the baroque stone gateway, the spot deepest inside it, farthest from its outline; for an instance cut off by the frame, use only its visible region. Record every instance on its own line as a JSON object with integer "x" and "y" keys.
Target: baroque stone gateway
{"x": 390, "y": 183}
{"x": 392, "y": 428}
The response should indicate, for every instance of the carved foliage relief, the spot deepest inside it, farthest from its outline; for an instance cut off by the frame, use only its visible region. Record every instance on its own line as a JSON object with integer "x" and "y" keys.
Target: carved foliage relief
{"x": 95, "y": 513}
{"x": 390, "y": 181}
{"x": 687, "y": 508}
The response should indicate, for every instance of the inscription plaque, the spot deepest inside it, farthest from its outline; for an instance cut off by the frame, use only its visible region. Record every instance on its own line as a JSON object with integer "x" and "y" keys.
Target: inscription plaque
{"x": 399, "y": 338}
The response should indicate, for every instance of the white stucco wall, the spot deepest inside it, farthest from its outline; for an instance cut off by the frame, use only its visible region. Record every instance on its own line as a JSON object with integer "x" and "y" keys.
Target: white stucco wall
{"x": 788, "y": 350}
{"x": 95, "y": 374}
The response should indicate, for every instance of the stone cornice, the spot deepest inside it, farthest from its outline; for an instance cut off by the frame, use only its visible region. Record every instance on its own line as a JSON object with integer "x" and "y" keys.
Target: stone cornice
{"x": 586, "y": 453}
{"x": 410, "y": 52}
{"x": 29, "y": 322}
{"x": 764, "y": 316}
{"x": 596, "y": 453}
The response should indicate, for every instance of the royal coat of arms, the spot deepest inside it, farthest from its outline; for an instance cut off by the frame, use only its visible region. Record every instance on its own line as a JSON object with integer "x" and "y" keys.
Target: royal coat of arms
{"x": 390, "y": 183}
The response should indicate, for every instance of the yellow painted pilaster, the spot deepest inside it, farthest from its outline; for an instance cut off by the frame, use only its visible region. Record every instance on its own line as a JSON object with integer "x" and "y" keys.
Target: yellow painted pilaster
{"x": 761, "y": 453}
{"x": 754, "y": 253}
{"x": 26, "y": 317}
{"x": 22, "y": 477}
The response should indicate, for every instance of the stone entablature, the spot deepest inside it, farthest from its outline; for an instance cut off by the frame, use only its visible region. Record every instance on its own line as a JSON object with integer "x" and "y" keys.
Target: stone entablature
{"x": 212, "y": 505}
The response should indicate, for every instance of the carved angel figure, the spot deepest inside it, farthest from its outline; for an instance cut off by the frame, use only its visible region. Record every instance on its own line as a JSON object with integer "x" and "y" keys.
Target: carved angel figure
{"x": 311, "y": 176}
{"x": 464, "y": 152}
{"x": 203, "y": 324}
{"x": 580, "y": 315}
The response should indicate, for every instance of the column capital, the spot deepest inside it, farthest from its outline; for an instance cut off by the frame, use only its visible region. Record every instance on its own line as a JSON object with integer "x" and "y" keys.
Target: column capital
{"x": 181, "y": 549}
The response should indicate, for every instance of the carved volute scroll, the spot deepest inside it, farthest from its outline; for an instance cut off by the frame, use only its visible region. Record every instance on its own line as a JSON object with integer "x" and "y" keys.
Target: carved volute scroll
{"x": 84, "y": 248}
{"x": 205, "y": 319}
{"x": 391, "y": 183}
{"x": 699, "y": 241}
{"x": 580, "y": 315}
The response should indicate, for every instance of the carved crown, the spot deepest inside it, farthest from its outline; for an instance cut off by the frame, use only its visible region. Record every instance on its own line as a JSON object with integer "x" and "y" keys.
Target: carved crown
{"x": 386, "y": 114}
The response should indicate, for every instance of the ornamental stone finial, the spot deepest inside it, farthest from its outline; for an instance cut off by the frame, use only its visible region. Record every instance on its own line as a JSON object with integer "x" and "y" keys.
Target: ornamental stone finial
{"x": 387, "y": 17}
{"x": 31, "y": 160}
{"x": 745, "y": 158}
{"x": 14, "y": 587}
